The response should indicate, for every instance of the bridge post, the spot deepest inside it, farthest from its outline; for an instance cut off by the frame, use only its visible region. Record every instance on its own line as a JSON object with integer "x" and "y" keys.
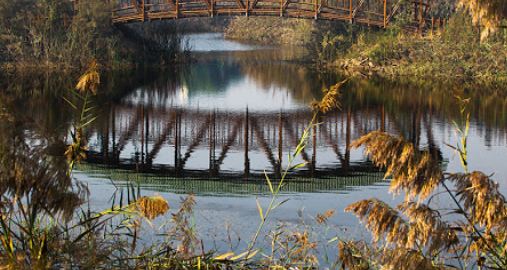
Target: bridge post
{"x": 177, "y": 9}
{"x": 385, "y": 13}
{"x": 421, "y": 11}
{"x": 212, "y": 8}
{"x": 316, "y": 9}
{"x": 143, "y": 10}
{"x": 247, "y": 8}
{"x": 351, "y": 11}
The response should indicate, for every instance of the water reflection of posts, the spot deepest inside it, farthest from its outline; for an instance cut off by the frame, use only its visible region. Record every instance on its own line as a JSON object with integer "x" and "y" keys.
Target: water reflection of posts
{"x": 139, "y": 157}
{"x": 347, "y": 141}
{"x": 428, "y": 120}
{"x": 149, "y": 131}
{"x": 280, "y": 145}
{"x": 264, "y": 145}
{"x": 212, "y": 144}
{"x": 314, "y": 149}
{"x": 113, "y": 131}
{"x": 143, "y": 122}
{"x": 147, "y": 136}
{"x": 105, "y": 141}
{"x": 416, "y": 123}
{"x": 246, "y": 132}
{"x": 382, "y": 118}
{"x": 177, "y": 143}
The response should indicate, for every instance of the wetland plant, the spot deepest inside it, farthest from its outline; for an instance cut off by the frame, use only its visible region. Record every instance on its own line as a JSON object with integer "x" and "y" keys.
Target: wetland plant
{"x": 417, "y": 234}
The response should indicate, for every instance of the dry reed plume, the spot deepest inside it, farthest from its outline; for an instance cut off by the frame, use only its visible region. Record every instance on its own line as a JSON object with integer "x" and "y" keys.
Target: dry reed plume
{"x": 330, "y": 101}
{"x": 415, "y": 236}
{"x": 151, "y": 207}
{"x": 90, "y": 80}
{"x": 412, "y": 171}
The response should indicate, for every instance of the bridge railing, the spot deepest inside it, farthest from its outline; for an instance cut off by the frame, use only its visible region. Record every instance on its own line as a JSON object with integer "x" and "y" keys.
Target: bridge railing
{"x": 367, "y": 12}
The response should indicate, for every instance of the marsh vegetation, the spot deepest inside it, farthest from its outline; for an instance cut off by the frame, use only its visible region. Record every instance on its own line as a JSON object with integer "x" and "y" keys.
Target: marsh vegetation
{"x": 259, "y": 149}
{"x": 65, "y": 231}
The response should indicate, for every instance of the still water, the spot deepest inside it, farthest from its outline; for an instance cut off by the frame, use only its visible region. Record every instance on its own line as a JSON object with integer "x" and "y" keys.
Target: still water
{"x": 215, "y": 126}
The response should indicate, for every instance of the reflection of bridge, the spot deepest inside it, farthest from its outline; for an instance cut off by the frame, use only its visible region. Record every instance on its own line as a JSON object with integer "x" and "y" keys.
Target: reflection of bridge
{"x": 213, "y": 186}
{"x": 366, "y": 12}
{"x": 149, "y": 138}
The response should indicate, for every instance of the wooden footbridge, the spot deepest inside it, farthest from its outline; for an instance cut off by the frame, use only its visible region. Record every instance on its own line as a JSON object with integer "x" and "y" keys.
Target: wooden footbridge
{"x": 366, "y": 12}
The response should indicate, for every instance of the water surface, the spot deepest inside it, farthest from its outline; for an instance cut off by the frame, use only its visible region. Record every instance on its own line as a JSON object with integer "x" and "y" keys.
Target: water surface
{"x": 214, "y": 127}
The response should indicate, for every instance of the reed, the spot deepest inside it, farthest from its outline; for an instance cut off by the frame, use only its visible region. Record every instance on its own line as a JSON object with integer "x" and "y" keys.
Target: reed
{"x": 415, "y": 234}
{"x": 45, "y": 222}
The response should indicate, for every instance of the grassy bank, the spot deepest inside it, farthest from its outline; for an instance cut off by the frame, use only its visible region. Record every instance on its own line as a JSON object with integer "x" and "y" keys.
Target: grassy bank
{"x": 454, "y": 52}
{"x": 275, "y": 30}
{"x": 270, "y": 30}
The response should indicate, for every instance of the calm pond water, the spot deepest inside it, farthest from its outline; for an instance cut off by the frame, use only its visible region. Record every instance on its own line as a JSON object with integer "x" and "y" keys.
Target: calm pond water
{"x": 214, "y": 126}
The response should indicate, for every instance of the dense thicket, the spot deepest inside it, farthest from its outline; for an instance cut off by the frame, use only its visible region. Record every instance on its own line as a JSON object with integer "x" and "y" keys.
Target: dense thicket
{"x": 66, "y": 34}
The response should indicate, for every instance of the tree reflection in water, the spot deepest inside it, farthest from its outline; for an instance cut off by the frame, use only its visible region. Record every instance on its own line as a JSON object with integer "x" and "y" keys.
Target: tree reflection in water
{"x": 31, "y": 179}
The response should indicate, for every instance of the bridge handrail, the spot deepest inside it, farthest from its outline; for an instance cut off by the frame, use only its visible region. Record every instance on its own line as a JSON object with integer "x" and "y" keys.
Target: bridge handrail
{"x": 357, "y": 11}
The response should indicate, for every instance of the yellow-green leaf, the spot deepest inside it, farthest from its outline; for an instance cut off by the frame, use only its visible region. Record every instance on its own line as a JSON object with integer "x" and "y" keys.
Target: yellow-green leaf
{"x": 269, "y": 183}
{"x": 251, "y": 255}
{"x": 224, "y": 256}
{"x": 261, "y": 214}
